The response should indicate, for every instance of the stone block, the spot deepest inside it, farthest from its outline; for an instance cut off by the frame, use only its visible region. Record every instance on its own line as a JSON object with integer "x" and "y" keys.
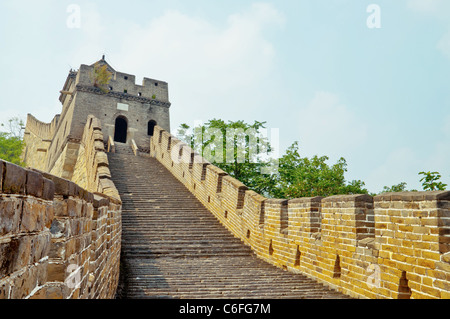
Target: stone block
{"x": 7, "y": 256}
{"x": 33, "y": 215}
{"x": 15, "y": 179}
{"x": 14, "y": 255}
{"x": 56, "y": 272}
{"x": 57, "y": 249}
{"x": 70, "y": 247}
{"x": 74, "y": 207}
{"x": 78, "y": 191}
{"x": 443, "y": 266}
{"x": 60, "y": 207}
{"x": 58, "y": 228}
{"x": 11, "y": 211}
{"x": 48, "y": 190}
{"x": 100, "y": 201}
{"x": 446, "y": 257}
{"x": 62, "y": 186}
{"x": 35, "y": 184}
{"x": 87, "y": 196}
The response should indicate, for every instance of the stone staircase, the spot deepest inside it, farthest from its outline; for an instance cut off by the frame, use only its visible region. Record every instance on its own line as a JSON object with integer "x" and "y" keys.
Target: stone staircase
{"x": 173, "y": 247}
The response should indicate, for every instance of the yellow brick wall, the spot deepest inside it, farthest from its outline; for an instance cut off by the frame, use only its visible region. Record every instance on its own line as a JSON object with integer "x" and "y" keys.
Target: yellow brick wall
{"x": 388, "y": 246}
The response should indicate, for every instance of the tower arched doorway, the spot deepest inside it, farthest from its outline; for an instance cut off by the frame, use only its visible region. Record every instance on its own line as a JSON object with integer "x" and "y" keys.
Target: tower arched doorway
{"x": 120, "y": 130}
{"x": 151, "y": 127}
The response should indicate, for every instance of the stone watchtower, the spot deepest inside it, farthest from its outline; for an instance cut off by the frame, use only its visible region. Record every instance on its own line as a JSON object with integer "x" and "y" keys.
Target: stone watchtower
{"x": 126, "y": 110}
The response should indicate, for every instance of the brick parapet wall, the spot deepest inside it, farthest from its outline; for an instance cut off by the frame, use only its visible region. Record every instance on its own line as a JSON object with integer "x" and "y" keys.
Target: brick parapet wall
{"x": 92, "y": 166}
{"x": 57, "y": 240}
{"x": 38, "y": 138}
{"x": 388, "y": 246}
{"x": 43, "y": 130}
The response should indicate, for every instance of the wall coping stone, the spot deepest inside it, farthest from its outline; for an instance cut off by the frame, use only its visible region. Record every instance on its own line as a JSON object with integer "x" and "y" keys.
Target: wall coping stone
{"x": 317, "y": 199}
{"x": 64, "y": 187}
{"x": 413, "y": 196}
{"x": 348, "y": 198}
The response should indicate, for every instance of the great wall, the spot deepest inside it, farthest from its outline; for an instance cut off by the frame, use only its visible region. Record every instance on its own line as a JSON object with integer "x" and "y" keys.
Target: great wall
{"x": 93, "y": 218}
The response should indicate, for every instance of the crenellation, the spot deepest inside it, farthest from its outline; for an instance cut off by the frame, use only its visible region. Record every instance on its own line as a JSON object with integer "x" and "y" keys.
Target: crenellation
{"x": 304, "y": 218}
{"x": 125, "y": 109}
{"x": 361, "y": 245}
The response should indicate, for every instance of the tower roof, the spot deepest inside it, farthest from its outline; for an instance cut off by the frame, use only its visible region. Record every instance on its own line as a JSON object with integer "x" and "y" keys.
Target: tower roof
{"x": 102, "y": 62}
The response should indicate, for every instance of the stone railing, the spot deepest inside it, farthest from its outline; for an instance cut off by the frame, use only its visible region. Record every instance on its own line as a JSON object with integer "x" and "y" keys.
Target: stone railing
{"x": 134, "y": 148}
{"x": 42, "y": 130}
{"x": 57, "y": 240}
{"x": 111, "y": 146}
{"x": 390, "y": 246}
{"x": 91, "y": 170}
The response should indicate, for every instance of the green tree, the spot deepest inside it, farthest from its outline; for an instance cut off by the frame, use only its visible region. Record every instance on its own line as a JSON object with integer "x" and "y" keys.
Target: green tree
{"x": 11, "y": 142}
{"x": 101, "y": 76}
{"x": 291, "y": 176}
{"x": 235, "y": 147}
{"x": 430, "y": 181}
{"x": 308, "y": 177}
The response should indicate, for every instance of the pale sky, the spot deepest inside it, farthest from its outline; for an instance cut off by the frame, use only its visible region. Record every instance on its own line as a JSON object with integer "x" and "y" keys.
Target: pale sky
{"x": 314, "y": 69}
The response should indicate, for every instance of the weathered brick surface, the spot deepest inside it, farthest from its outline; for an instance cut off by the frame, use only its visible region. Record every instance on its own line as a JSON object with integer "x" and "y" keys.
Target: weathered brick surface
{"x": 394, "y": 245}
{"x": 15, "y": 179}
{"x": 52, "y": 242}
{"x": 91, "y": 170}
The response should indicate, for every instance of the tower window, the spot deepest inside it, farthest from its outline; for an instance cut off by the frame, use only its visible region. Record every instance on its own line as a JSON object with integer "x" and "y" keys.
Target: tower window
{"x": 139, "y": 94}
{"x": 125, "y": 91}
{"x": 110, "y": 88}
{"x": 156, "y": 84}
{"x": 125, "y": 77}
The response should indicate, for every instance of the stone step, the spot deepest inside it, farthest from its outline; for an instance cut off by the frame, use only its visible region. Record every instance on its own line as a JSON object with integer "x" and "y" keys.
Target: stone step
{"x": 173, "y": 247}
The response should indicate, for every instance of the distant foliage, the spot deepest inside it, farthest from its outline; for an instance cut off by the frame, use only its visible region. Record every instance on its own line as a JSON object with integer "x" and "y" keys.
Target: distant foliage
{"x": 430, "y": 181}
{"x": 309, "y": 177}
{"x": 241, "y": 159}
{"x": 296, "y": 176}
{"x": 11, "y": 142}
{"x": 401, "y": 187}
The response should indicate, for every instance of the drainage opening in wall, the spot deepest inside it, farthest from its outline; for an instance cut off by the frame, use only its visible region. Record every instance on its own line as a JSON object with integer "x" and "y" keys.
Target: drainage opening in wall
{"x": 337, "y": 267}
{"x": 298, "y": 254}
{"x": 270, "y": 248}
{"x": 404, "y": 292}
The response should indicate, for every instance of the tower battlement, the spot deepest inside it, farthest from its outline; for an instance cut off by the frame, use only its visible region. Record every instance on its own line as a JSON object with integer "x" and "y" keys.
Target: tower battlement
{"x": 127, "y": 111}
{"x": 125, "y": 83}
